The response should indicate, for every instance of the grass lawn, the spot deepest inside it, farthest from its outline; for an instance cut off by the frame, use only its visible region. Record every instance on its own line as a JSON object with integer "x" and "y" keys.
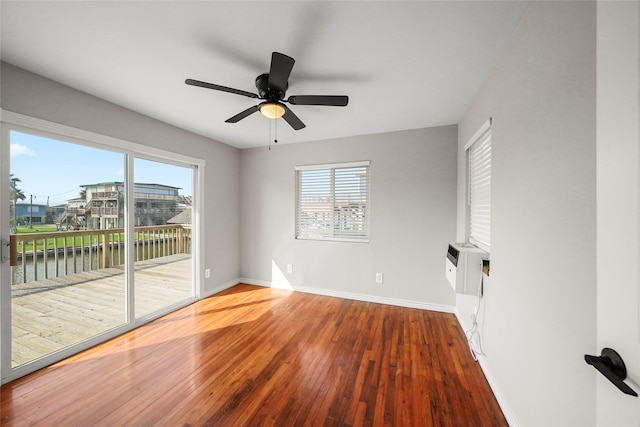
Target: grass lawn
{"x": 79, "y": 240}
{"x": 37, "y": 229}
{"x": 68, "y": 241}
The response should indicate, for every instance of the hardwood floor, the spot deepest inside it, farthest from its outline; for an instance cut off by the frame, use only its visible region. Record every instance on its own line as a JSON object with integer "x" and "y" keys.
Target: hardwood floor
{"x": 253, "y": 356}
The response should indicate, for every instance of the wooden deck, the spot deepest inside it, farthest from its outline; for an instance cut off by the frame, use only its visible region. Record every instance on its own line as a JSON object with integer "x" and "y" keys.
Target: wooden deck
{"x": 51, "y": 314}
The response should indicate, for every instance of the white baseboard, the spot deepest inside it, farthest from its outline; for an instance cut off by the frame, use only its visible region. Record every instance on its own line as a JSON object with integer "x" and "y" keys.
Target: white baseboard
{"x": 358, "y": 297}
{"x": 219, "y": 288}
{"x": 493, "y": 384}
{"x": 502, "y": 401}
{"x": 254, "y": 282}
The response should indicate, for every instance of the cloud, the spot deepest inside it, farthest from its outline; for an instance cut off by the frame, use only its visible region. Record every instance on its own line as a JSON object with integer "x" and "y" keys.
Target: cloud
{"x": 18, "y": 150}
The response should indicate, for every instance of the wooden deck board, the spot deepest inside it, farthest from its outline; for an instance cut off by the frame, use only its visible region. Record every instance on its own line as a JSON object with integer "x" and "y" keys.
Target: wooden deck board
{"x": 48, "y": 315}
{"x": 35, "y": 344}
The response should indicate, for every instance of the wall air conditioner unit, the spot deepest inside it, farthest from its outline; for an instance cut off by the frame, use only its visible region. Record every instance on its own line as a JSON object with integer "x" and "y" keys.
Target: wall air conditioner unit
{"x": 464, "y": 267}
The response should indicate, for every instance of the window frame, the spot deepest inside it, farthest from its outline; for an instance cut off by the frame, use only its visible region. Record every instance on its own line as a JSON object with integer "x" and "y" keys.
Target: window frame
{"x": 336, "y": 232}
{"x": 479, "y": 235}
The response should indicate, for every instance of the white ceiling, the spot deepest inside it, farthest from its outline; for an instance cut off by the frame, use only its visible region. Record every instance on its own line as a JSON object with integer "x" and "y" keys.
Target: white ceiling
{"x": 404, "y": 65}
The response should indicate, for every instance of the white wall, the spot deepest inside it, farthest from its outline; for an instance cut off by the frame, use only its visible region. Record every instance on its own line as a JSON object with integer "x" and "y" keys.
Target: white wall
{"x": 35, "y": 96}
{"x": 413, "y": 205}
{"x": 618, "y": 235}
{"x": 539, "y": 306}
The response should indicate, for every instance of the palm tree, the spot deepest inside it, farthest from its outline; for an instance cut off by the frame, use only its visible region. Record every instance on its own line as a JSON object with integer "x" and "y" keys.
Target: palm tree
{"x": 16, "y": 194}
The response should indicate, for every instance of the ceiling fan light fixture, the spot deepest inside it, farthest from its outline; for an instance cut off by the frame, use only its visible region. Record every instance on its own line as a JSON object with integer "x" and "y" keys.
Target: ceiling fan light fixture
{"x": 272, "y": 110}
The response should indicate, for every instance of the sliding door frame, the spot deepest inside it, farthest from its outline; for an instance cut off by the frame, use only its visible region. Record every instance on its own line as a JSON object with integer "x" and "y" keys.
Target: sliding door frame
{"x": 130, "y": 217}
{"x": 10, "y": 121}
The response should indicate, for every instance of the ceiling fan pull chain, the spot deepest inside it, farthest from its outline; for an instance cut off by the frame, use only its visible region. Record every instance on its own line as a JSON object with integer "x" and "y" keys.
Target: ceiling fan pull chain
{"x": 275, "y": 139}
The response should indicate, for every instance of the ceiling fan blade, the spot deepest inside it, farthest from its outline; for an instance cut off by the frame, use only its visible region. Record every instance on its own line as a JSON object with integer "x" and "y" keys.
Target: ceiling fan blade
{"x": 220, "y": 88}
{"x": 331, "y": 100}
{"x": 292, "y": 119}
{"x": 242, "y": 115}
{"x": 281, "y": 66}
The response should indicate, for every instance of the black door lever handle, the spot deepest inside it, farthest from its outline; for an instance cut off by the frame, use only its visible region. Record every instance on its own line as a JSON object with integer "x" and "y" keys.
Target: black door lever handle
{"x": 611, "y": 365}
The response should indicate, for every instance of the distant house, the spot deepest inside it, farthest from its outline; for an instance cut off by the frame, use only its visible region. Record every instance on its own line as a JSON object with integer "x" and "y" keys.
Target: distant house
{"x": 183, "y": 217}
{"x": 58, "y": 210}
{"x": 104, "y": 204}
{"x": 34, "y": 213}
{"x": 73, "y": 215}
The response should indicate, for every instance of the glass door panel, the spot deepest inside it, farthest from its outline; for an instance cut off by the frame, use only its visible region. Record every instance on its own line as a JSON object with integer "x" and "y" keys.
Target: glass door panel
{"x": 66, "y": 214}
{"x": 162, "y": 235}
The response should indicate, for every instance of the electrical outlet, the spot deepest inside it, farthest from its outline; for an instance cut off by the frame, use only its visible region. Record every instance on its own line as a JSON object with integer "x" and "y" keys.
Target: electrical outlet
{"x": 289, "y": 268}
{"x": 379, "y": 278}
{"x": 207, "y": 273}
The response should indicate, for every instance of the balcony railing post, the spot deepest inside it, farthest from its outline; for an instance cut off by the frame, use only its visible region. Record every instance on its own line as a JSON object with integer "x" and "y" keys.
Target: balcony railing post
{"x": 156, "y": 243}
{"x": 174, "y": 241}
{"x": 120, "y": 248}
{"x": 34, "y": 258}
{"x": 82, "y": 253}
{"x": 45, "y": 257}
{"x": 145, "y": 244}
{"x": 165, "y": 239}
{"x": 90, "y": 251}
{"x": 105, "y": 245}
{"x": 73, "y": 253}
{"x": 65, "y": 268}
{"x": 23, "y": 251}
{"x": 55, "y": 257}
{"x": 112, "y": 249}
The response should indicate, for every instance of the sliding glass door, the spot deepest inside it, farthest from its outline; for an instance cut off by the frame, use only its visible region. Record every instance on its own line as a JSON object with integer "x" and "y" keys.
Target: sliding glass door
{"x": 163, "y": 233}
{"x": 99, "y": 240}
{"x": 64, "y": 286}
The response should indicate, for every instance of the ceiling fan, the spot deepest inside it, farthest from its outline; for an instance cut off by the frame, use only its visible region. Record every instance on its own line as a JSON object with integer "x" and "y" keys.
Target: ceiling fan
{"x": 272, "y": 87}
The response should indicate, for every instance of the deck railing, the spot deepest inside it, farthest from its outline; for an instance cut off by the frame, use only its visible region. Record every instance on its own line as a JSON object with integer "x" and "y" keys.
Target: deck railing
{"x": 101, "y": 211}
{"x": 92, "y": 249}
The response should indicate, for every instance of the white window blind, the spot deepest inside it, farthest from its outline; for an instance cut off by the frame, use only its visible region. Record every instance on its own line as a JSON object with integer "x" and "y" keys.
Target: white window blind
{"x": 479, "y": 196}
{"x": 332, "y": 202}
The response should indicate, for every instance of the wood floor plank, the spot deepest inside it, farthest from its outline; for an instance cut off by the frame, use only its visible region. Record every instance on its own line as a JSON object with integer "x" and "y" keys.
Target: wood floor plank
{"x": 253, "y": 356}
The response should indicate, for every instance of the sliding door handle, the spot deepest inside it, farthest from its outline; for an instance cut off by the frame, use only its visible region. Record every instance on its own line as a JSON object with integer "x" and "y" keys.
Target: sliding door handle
{"x": 4, "y": 250}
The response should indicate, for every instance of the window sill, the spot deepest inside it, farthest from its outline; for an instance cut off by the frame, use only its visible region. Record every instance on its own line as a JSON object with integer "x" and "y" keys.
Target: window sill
{"x": 333, "y": 239}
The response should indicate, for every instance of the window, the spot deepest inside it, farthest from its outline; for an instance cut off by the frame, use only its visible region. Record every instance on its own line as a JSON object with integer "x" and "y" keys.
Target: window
{"x": 131, "y": 293}
{"x": 332, "y": 202}
{"x": 479, "y": 187}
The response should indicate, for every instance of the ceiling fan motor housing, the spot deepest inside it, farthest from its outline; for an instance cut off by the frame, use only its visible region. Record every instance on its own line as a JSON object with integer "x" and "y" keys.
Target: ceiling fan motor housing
{"x": 269, "y": 94}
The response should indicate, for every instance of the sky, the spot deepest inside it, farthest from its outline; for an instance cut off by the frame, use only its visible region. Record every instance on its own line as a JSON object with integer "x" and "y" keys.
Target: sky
{"x": 53, "y": 171}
